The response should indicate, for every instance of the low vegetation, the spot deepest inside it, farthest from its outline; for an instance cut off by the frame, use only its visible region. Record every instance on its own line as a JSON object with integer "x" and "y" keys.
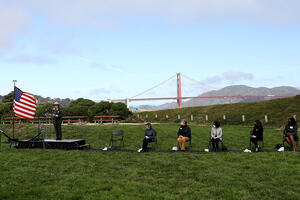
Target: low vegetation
{"x": 277, "y": 110}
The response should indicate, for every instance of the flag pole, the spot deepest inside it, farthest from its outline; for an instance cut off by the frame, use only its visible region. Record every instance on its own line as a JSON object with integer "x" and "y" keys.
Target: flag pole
{"x": 13, "y": 112}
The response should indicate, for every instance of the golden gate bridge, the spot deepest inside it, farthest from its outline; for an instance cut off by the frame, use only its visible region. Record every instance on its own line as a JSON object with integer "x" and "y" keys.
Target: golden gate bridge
{"x": 179, "y": 96}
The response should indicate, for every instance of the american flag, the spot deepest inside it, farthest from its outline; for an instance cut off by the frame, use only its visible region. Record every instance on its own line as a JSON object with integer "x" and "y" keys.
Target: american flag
{"x": 24, "y": 104}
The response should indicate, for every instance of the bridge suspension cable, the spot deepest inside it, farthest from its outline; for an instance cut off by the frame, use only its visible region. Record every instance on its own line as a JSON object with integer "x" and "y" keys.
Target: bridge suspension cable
{"x": 200, "y": 83}
{"x": 153, "y": 87}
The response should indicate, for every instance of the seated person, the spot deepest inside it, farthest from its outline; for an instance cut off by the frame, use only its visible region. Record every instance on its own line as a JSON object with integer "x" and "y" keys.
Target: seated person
{"x": 257, "y": 134}
{"x": 290, "y": 132}
{"x": 216, "y": 135}
{"x": 184, "y": 134}
{"x": 150, "y": 135}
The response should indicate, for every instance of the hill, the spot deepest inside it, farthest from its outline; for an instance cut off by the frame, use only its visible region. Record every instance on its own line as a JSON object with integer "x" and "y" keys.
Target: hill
{"x": 232, "y": 91}
{"x": 277, "y": 110}
{"x": 42, "y": 100}
{"x": 62, "y": 102}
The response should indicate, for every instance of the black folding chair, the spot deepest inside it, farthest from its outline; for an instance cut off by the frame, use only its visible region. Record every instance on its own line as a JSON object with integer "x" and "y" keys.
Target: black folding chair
{"x": 296, "y": 139}
{"x": 117, "y": 137}
{"x": 153, "y": 145}
{"x": 258, "y": 141}
{"x": 189, "y": 146}
{"x": 190, "y": 141}
{"x": 210, "y": 144}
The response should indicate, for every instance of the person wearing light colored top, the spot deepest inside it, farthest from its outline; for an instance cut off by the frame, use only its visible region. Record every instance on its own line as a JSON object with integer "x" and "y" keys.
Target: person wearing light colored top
{"x": 216, "y": 135}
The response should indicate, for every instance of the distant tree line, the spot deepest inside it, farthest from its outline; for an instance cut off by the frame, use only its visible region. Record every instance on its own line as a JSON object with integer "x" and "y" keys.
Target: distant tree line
{"x": 79, "y": 107}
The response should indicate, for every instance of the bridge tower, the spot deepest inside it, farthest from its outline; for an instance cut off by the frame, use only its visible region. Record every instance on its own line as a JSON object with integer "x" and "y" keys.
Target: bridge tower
{"x": 127, "y": 102}
{"x": 179, "y": 97}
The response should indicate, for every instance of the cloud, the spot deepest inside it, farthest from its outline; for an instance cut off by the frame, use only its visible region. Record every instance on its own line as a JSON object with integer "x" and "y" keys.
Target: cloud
{"x": 13, "y": 22}
{"x": 114, "y": 12}
{"x": 106, "y": 66}
{"x": 16, "y": 16}
{"x": 236, "y": 76}
{"x": 61, "y": 47}
{"x": 98, "y": 65}
{"x": 27, "y": 59}
{"x": 231, "y": 77}
{"x": 99, "y": 91}
{"x": 213, "y": 79}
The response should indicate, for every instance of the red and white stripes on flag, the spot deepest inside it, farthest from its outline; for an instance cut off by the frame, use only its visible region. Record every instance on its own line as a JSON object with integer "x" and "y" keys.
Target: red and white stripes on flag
{"x": 24, "y": 104}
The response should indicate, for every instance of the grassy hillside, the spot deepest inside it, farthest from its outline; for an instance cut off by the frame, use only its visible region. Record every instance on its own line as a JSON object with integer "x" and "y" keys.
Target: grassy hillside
{"x": 277, "y": 110}
{"x": 57, "y": 174}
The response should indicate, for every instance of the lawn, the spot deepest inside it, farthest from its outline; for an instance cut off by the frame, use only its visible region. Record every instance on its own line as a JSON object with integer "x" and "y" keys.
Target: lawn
{"x": 58, "y": 174}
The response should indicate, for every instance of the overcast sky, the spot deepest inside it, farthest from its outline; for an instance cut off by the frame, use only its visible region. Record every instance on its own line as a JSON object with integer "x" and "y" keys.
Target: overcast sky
{"x": 100, "y": 49}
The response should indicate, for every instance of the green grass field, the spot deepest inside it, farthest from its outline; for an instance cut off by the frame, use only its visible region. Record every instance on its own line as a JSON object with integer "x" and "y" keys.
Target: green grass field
{"x": 59, "y": 174}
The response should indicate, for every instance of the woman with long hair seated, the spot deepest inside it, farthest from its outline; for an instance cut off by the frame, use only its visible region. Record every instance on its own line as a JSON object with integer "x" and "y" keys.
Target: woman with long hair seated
{"x": 257, "y": 134}
{"x": 150, "y": 135}
{"x": 290, "y": 132}
{"x": 216, "y": 135}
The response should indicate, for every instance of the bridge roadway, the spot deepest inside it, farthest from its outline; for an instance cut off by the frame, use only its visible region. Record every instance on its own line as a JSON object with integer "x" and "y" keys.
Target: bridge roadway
{"x": 202, "y": 97}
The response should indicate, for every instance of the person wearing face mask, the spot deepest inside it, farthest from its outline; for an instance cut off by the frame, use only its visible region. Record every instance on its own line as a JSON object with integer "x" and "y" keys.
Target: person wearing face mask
{"x": 290, "y": 132}
{"x": 216, "y": 135}
{"x": 257, "y": 134}
{"x": 150, "y": 135}
{"x": 184, "y": 134}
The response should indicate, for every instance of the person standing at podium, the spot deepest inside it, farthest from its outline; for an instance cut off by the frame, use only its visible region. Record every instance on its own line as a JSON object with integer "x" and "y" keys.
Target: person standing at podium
{"x": 57, "y": 120}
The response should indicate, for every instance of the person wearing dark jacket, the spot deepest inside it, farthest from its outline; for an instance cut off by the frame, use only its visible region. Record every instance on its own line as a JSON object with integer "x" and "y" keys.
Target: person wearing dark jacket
{"x": 290, "y": 132}
{"x": 257, "y": 134}
{"x": 57, "y": 120}
{"x": 150, "y": 135}
{"x": 184, "y": 134}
